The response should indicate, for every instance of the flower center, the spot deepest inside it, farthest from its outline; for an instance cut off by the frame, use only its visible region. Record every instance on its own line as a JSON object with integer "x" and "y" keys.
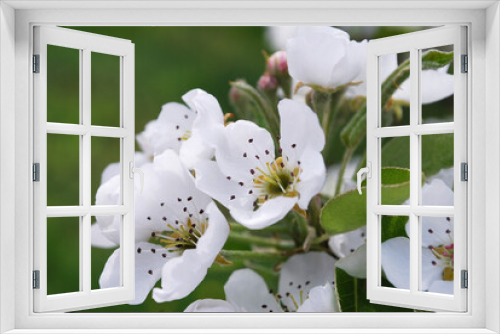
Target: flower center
{"x": 181, "y": 236}
{"x": 445, "y": 255}
{"x": 275, "y": 179}
{"x": 185, "y": 136}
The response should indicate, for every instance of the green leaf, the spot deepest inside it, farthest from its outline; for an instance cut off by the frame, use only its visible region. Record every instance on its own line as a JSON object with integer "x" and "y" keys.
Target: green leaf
{"x": 347, "y": 211}
{"x": 393, "y": 226}
{"x": 437, "y": 153}
{"x": 351, "y": 292}
{"x": 355, "y": 130}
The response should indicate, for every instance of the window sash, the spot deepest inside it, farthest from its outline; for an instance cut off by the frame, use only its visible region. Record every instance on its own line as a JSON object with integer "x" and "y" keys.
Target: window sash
{"x": 414, "y": 298}
{"x": 86, "y": 43}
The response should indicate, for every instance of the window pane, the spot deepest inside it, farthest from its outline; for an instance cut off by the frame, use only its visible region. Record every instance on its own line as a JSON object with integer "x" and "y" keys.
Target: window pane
{"x": 63, "y": 170}
{"x": 105, "y": 253}
{"x": 395, "y": 173}
{"x": 105, "y": 89}
{"x": 436, "y": 87}
{"x": 63, "y": 85}
{"x": 105, "y": 166}
{"x": 395, "y": 252}
{"x": 437, "y": 167}
{"x": 395, "y": 90}
{"x": 437, "y": 254}
{"x": 63, "y": 255}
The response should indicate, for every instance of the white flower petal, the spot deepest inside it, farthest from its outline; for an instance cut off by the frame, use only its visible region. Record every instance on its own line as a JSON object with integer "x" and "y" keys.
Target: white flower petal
{"x": 210, "y": 180}
{"x": 272, "y": 211}
{"x": 181, "y": 275}
{"x": 109, "y": 194}
{"x": 396, "y": 261}
{"x": 321, "y": 299}
{"x": 174, "y": 121}
{"x": 430, "y": 272}
{"x": 344, "y": 244}
{"x": 113, "y": 169}
{"x": 210, "y": 306}
{"x": 442, "y": 287}
{"x": 445, "y": 175}
{"x": 436, "y": 231}
{"x": 437, "y": 193}
{"x": 180, "y": 193}
{"x": 277, "y": 36}
{"x": 312, "y": 177}
{"x": 314, "y": 53}
{"x": 388, "y": 63}
{"x": 349, "y": 68}
{"x": 98, "y": 239}
{"x": 144, "y": 138}
{"x": 210, "y": 116}
{"x": 302, "y": 272}
{"x": 245, "y": 147}
{"x": 147, "y": 270}
{"x": 193, "y": 151}
{"x": 207, "y": 127}
{"x": 249, "y": 293}
{"x": 436, "y": 85}
{"x": 355, "y": 263}
{"x": 295, "y": 140}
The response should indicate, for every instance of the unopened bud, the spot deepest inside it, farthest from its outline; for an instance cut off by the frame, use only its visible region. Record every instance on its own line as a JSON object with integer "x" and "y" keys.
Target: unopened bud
{"x": 267, "y": 83}
{"x": 239, "y": 101}
{"x": 234, "y": 95}
{"x": 277, "y": 64}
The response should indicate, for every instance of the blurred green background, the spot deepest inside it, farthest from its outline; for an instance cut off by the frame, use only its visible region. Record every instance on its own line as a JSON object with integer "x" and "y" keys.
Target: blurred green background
{"x": 169, "y": 61}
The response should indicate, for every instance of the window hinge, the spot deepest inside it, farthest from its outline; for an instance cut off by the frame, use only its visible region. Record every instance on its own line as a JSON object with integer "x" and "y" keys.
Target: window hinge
{"x": 464, "y": 172}
{"x": 36, "y": 63}
{"x": 36, "y": 279}
{"x": 465, "y": 279}
{"x": 36, "y": 172}
{"x": 465, "y": 64}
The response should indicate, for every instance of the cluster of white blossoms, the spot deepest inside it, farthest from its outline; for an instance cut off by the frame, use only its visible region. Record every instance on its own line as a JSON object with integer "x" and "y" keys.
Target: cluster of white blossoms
{"x": 305, "y": 285}
{"x": 179, "y": 230}
{"x": 191, "y": 157}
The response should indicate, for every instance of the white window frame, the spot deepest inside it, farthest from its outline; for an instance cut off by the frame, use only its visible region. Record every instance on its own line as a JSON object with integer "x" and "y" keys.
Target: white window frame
{"x": 85, "y": 44}
{"x": 16, "y": 21}
{"x": 415, "y": 43}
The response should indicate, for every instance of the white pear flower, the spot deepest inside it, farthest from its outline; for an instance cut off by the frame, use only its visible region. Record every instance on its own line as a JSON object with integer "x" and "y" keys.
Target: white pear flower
{"x": 305, "y": 285}
{"x": 179, "y": 231}
{"x": 278, "y": 36}
{"x": 437, "y": 247}
{"x": 325, "y": 57}
{"x": 258, "y": 188}
{"x": 181, "y": 129}
{"x": 436, "y": 84}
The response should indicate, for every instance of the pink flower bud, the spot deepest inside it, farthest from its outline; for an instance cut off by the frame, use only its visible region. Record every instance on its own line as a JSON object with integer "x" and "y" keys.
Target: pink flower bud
{"x": 234, "y": 95}
{"x": 277, "y": 64}
{"x": 267, "y": 82}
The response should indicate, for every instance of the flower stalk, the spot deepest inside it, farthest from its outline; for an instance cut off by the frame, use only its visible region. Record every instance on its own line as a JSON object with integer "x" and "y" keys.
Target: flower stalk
{"x": 248, "y": 238}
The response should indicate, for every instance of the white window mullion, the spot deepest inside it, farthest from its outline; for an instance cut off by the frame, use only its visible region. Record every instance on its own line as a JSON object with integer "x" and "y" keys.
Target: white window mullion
{"x": 414, "y": 171}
